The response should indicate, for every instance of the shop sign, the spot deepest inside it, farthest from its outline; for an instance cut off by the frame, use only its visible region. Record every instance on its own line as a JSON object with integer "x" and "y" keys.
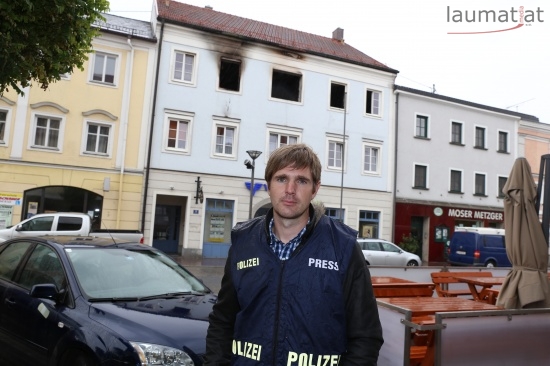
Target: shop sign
{"x": 475, "y": 214}
{"x": 10, "y": 199}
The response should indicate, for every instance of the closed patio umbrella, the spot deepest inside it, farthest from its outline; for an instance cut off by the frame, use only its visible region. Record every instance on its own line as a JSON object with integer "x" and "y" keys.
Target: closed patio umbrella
{"x": 526, "y": 285}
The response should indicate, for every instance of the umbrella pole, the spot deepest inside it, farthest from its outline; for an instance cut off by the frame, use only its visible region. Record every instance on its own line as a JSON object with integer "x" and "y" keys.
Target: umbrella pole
{"x": 544, "y": 181}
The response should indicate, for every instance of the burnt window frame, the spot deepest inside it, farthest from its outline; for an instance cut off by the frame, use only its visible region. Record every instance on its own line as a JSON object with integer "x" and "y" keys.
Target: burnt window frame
{"x": 276, "y": 89}
{"x": 226, "y": 63}
{"x": 334, "y": 101}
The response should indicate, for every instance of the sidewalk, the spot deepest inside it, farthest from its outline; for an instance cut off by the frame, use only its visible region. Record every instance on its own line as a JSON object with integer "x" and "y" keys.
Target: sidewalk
{"x": 208, "y": 270}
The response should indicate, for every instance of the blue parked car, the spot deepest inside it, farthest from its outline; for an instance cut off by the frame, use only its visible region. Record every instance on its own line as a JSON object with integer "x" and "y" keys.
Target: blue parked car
{"x": 477, "y": 246}
{"x": 93, "y": 301}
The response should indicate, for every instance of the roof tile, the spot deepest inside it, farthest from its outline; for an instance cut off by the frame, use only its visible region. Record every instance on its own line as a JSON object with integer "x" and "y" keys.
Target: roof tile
{"x": 217, "y": 22}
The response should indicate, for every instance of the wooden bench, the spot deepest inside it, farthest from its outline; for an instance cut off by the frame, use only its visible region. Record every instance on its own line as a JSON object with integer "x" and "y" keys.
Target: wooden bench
{"x": 442, "y": 280}
{"x": 404, "y": 290}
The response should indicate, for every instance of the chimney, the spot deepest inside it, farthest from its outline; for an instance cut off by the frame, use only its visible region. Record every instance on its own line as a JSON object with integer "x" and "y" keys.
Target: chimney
{"x": 338, "y": 34}
{"x": 209, "y": 7}
{"x": 167, "y": 3}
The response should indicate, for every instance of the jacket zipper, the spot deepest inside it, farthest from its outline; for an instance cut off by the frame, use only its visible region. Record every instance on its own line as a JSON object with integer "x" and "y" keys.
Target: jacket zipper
{"x": 277, "y": 314}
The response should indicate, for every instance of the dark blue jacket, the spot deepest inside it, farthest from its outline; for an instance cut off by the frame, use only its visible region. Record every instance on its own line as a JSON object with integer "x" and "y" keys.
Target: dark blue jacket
{"x": 302, "y": 311}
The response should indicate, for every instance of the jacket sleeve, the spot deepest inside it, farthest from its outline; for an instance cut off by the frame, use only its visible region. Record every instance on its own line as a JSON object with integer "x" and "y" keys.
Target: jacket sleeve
{"x": 364, "y": 331}
{"x": 222, "y": 320}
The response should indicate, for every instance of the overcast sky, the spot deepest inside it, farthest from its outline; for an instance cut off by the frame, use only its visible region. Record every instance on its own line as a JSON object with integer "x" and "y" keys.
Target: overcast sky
{"x": 505, "y": 69}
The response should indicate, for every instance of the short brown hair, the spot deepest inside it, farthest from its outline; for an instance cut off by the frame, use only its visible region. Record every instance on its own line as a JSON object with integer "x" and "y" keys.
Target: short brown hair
{"x": 298, "y": 156}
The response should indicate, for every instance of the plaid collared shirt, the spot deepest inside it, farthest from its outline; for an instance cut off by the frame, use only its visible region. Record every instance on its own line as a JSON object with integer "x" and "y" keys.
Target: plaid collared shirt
{"x": 282, "y": 250}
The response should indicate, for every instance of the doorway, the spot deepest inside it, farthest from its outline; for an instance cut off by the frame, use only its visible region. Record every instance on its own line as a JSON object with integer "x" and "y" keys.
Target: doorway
{"x": 166, "y": 229}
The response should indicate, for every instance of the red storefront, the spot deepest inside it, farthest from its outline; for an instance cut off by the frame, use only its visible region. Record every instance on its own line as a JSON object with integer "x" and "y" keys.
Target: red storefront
{"x": 433, "y": 225}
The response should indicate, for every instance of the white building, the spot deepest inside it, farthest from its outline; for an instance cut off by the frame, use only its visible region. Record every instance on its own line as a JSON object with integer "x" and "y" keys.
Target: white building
{"x": 453, "y": 158}
{"x": 227, "y": 85}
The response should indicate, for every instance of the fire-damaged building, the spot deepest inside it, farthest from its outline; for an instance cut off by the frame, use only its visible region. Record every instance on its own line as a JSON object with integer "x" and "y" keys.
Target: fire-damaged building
{"x": 228, "y": 91}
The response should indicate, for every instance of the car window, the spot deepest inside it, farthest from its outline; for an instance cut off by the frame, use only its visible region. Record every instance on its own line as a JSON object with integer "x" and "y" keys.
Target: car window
{"x": 42, "y": 267}
{"x": 10, "y": 258}
{"x": 117, "y": 272}
{"x": 38, "y": 224}
{"x": 493, "y": 241}
{"x": 373, "y": 245}
{"x": 390, "y": 248}
{"x": 66, "y": 223}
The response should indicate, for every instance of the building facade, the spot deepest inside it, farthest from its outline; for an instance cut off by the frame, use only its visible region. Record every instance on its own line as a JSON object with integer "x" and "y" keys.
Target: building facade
{"x": 228, "y": 85}
{"x": 453, "y": 159}
{"x": 80, "y": 145}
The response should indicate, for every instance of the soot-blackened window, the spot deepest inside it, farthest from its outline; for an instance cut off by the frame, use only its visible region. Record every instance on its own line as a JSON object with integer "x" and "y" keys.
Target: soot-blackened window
{"x": 337, "y": 95}
{"x": 230, "y": 74}
{"x": 286, "y": 85}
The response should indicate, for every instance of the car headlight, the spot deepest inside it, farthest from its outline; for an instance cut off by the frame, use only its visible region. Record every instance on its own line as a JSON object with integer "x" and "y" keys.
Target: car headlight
{"x": 153, "y": 354}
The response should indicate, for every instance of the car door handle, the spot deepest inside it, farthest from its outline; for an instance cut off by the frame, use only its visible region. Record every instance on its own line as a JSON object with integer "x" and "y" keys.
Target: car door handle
{"x": 10, "y": 301}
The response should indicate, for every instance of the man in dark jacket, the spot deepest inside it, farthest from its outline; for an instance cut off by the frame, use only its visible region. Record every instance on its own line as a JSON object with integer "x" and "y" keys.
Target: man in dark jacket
{"x": 296, "y": 290}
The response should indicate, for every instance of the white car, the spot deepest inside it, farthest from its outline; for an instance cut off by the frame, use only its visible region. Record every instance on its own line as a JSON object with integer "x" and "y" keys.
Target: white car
{"x": 380, "y": 252}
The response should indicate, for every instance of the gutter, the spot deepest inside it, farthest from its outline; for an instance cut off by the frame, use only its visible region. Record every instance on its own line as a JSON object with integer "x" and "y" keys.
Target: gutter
{"x": 153, "y": 112}
{"x": 126, "y": 118}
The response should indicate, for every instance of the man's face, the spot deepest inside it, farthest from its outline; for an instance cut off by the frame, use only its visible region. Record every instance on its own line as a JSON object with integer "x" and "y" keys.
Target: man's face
{"x": 291, "y": 190}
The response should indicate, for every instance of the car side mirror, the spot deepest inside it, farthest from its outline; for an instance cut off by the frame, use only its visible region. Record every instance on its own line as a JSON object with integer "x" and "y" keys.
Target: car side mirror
{"x": 18, "y": 228}
{"x": 47, "y": 291}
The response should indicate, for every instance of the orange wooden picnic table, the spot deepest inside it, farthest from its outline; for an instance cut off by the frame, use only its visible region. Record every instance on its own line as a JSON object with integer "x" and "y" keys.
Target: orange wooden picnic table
{"x": 484, "y": 283}
{"x": 400, "y": 287}
{"x": 421, "y": 306}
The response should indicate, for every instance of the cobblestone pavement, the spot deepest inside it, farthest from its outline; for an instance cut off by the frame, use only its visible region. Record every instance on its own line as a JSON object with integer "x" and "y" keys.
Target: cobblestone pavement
{"x": 209, "y": 271}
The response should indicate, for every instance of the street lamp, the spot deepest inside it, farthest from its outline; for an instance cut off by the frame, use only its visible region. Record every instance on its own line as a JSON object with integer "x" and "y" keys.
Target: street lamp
{"x": 250, "y": 165}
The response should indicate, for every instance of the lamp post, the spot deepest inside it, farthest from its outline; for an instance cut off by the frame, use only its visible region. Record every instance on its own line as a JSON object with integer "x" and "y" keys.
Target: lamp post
{"x": 250, "y": 165}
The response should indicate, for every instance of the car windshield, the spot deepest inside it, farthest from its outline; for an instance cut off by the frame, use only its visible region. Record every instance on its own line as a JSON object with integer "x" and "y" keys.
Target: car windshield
{"x": 116, "y": 273}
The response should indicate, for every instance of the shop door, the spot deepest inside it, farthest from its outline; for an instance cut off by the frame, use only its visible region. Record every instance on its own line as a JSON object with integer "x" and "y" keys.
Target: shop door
{"x": 166, "y": 229}
{"x": 417, "y": 231}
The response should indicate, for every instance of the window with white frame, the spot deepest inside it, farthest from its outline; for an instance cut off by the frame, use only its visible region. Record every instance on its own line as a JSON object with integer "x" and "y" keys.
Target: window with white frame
{"x": 480, "y": 184}
{"x": 335, "y": 156}
{"x": 371, "y": 158}
{"x": 373, "y": 102}
{"x": 422, "y": 126}
{"x": 455, "y": 181}
{"x": 480, "y": 138}
{"x": 420, "y": 176}
{"x": 225, "y": 140}
{"x": 104, "y": 68}
{"x": 501, "y": 183}
{"x": 47, "y": 132}
{"x": 457, "y": 133}
{"x": 183, "y": 67}
{"x": 278, "y": 136}
{"x": 502, "y": 142}
{"x": 178, "y": 132}
{"x": 337, "y": 95}
{"x": 3, "y": 124}
{"x": 98, "y": 136}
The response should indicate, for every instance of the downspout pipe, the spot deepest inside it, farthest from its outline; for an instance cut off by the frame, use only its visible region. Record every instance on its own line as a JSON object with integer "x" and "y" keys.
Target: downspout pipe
{"x": 153, "y": 112}
{"x": 395, "y": 165}
{"x": 126, "y": 119}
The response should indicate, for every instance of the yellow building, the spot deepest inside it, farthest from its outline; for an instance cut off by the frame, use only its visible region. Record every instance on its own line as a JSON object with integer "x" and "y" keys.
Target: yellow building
{"x": 81, "y": 145}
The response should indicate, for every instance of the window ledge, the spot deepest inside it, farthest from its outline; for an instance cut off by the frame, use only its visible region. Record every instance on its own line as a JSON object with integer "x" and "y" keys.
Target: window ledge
{"x": 421, "y": 188}
{"x": 480, "y": 195}
{"x": 503, "y": 152}
{"x": 44, "y": 148}
{"x": 456, "y": 192}
{"x": 480, "y": 148}
{"x": 422, "y": 138}
{"x": 456, "y": 143}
